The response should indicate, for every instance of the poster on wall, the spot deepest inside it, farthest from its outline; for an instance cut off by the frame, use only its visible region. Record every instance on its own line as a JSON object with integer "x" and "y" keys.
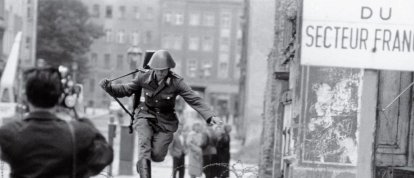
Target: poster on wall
{"x": 331, "y": 116}
{"x": 375, "y": 34}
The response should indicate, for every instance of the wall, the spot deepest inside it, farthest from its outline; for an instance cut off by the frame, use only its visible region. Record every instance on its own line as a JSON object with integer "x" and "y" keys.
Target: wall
{"x": 260, "y": 41}
{"x": 320, "y": 134}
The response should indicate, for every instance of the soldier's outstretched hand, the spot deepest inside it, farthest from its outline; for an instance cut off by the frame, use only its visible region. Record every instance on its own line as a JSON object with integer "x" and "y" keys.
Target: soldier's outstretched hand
{"x": 104, "y": 84}
{"x": 216, "y": 121}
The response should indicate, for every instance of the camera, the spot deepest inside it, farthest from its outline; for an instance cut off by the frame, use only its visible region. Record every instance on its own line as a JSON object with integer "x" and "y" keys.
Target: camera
{"x": 71, "y": 91}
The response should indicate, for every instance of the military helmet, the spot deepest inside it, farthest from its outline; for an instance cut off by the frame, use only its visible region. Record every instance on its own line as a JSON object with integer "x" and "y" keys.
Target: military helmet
{"x": 161, "y": 60}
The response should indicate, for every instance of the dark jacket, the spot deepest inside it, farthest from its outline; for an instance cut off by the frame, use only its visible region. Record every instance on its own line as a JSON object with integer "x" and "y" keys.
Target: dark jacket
{"x": 40, "y": 146}
{"x": 210, "y": 146}
{"x": 160, "y": 99}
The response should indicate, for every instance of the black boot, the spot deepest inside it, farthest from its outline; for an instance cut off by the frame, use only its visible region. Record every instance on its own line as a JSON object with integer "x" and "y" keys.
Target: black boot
{"x": 144, "y": 168}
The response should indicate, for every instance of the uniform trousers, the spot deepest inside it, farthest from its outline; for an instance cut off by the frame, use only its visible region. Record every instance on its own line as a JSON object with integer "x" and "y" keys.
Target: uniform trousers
{"x": 153, "y": 145}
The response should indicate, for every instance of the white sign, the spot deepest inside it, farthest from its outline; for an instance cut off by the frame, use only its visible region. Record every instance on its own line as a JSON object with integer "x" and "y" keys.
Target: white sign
{"x": 7, "y": 109}
{"x": 377, "y": 34}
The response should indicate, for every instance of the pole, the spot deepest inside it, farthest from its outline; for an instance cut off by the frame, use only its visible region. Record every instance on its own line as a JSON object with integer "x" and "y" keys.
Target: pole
{"x": 111, "y": 136}
{"x": 368, "y": 115}
{"x": 240, "y": 123}
{"x": 126, "y": 151}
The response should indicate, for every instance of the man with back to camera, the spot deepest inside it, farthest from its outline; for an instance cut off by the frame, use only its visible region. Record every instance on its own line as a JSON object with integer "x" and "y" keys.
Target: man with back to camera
{"x": 42, "y": 145}
{"x": 156, "y": 119}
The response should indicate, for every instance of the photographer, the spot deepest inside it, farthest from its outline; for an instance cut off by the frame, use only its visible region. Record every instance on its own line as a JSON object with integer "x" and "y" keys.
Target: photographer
{"x": 42, "y": 145}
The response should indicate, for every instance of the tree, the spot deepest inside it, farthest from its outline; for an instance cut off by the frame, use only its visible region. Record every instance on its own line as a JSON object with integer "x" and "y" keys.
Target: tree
{"x": 65, "y": 33}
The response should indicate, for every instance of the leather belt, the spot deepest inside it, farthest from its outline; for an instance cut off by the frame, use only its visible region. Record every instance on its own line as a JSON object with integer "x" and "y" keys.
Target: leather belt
{"x": 159, "y": 110}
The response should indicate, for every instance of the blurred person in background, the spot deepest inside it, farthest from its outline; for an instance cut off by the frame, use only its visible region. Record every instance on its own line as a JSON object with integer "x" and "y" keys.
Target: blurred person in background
{"x": 43, "y": 145}
{"x": 194, "y": 142}
{"x": 223, "y": 151}
{"x": 178, "y": 151}
{"x": 156, "y": 120}
{"x": 209, "y": 151}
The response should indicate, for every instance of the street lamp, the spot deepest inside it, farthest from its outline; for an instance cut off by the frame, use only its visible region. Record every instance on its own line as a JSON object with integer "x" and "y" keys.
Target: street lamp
{"x": 134, "y": 54}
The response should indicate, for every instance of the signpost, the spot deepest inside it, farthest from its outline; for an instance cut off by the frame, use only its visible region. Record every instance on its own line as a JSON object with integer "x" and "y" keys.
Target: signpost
{"x": 374, "y": 34}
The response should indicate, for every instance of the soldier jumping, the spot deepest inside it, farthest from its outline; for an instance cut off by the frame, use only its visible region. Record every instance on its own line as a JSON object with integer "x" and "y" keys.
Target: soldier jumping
{"x": 156, "y": 120}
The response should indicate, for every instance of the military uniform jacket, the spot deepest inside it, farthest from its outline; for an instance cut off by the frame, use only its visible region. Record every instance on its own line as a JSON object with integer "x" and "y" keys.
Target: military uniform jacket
{"x": 160, "y": 98}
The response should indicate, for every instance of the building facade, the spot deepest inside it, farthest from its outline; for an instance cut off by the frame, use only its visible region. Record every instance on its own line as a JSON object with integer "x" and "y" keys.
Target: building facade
{"x": 204, "y": 38}
{"x": 20, "y": 16}
{"x": 126, "y": 23}
{"x": 2, "y": 30}
{"x": 330, "y": 122}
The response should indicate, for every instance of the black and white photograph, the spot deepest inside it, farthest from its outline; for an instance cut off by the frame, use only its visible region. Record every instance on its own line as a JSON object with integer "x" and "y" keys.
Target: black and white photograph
{"x": 206, "y": 89}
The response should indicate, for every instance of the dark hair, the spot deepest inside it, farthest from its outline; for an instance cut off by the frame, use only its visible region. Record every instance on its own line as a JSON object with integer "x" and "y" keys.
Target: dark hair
{"x": 43, "y": 87}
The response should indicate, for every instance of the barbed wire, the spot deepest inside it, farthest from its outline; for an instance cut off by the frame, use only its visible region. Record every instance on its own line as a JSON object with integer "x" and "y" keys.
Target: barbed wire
{"x": 232, "y": 168}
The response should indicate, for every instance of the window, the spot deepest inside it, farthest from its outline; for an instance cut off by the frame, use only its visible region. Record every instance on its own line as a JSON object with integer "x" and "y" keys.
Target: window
{"x": 137, "y": 15}
{"x": 177, "y": 69}
{"x": 135, "y": 38}
{"x": 91, "y": 85}
{"x": 193, "y": 43}
{"x": 206, "y": 69}
{"x": 192, "y": 68}
{"x": 239, "y": 33}
{"x": 225, "y": 32}
{"x": 225, "y": 44}
{"x": 108, "y": 35}
{"x": 223, "y": 68}
{"x": 150, "y": 13}
{"x": 28, "y": 42}
{"x": 208, "y": 19}
{"x": 148, "y": 37}
{"x": 121, "y": 36}
{"x": 167, "y": 42}
{"x": 224, "y": 57}
{"x": 178, "y": 42}
{"x": 94, "y": 58}
{"x": 95, "y": 11}
{"x": 107, "y": 62}
{"x": 122, "y": 12}
{"x": 225, "y": 20}
{"x": 108, "y": 13}
{"x": 120, "y": 62}
{"x": 179, "y": 18}
{"x": 237, "y": 66}
{"x": 207, "y": 43}
{"x": 29, "y": 13}
{"x": 168, "y": 18}
{"x": 194, "y": 19}
{"x": 223, "y": 71}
